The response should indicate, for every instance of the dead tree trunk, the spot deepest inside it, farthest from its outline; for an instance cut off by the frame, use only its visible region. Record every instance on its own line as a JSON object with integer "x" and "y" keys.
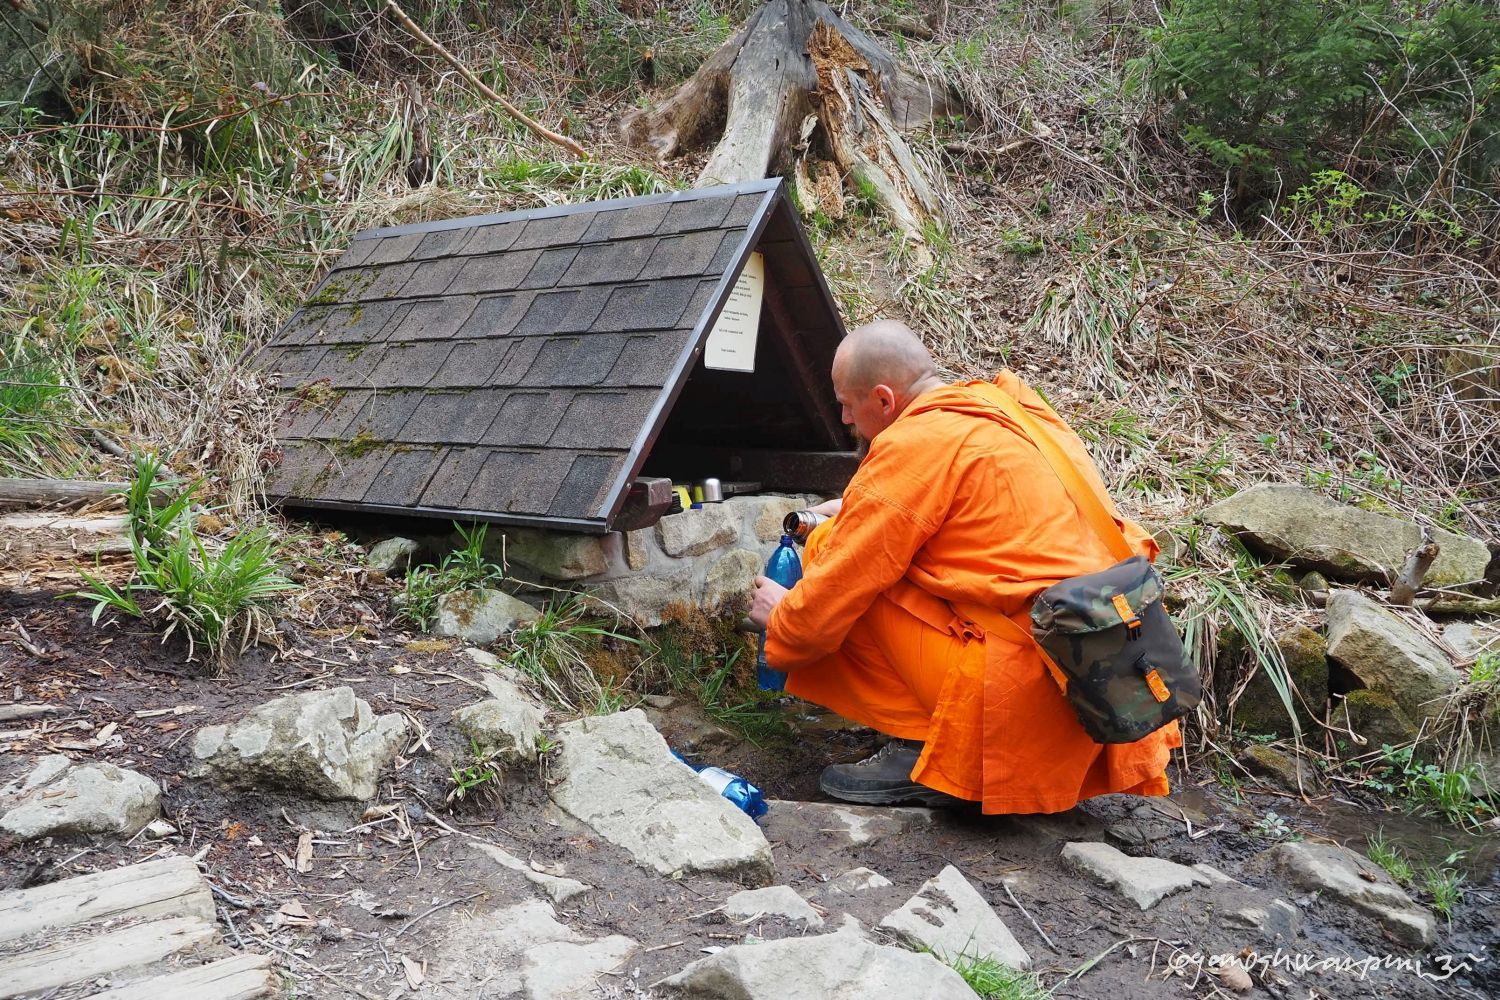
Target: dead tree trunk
{"x": 779, "y": 70}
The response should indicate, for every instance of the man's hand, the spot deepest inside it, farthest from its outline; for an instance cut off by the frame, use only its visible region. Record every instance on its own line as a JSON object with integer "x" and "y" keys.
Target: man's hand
{"x": 768, "y": 593}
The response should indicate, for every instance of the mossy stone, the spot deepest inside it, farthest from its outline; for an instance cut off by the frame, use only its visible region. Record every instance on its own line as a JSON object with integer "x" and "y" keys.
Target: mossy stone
{"x": 1259, "y": 708}
{"x": 1375, "y": 716}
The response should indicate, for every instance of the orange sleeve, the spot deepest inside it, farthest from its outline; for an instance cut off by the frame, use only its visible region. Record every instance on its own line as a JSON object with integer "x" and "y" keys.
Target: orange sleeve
{"x": 869, "y": 546}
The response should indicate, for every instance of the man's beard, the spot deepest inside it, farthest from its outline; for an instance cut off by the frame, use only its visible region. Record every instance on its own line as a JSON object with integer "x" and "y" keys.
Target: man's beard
{"x": 861, "y": 445}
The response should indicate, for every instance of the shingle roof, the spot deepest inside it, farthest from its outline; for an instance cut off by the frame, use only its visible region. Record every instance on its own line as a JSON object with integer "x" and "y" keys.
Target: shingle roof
{"x": 518, "y": 367}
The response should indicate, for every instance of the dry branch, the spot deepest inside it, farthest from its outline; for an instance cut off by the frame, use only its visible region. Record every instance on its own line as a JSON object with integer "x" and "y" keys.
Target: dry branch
{"x": 37, "y": 492}
{"x": 1405, "y": 586}
{"x": 536, "y": 127}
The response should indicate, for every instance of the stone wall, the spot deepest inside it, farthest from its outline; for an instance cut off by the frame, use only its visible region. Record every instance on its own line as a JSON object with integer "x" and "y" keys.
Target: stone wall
{"x": 696, "y": 557}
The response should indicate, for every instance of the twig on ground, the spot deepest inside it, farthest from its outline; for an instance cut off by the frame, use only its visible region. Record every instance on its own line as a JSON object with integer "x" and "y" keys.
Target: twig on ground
{"x": 431, "y": 910}
{"x": 1027, "y": 914}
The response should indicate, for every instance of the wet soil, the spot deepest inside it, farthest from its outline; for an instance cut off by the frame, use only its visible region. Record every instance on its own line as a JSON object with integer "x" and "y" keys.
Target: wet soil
{"x": 401, "y": 878}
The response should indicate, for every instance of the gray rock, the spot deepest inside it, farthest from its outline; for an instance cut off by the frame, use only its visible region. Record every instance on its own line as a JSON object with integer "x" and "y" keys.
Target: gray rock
{"x": 524, "y": 950}
{"x": 1387, "y": 655}
{"x": 1259, "y": 708}
{"x": 392, "y": 555}
{"x": 805, "y": 824}
{"x": 556, "y": 555}
{"x": 1144, "y": 825}
{"x": 81, "y": 800}
{"x": 1143, "y": 881}
{"x": 949, "y": 917}
{"x": 318, "y": 744}
{"x": 481, "y": 616}
{"x": 1470, "y": 639}
{"x": 694, "y": 532}
{"x": 857, "y": 880}
{"x": 772, "y": 901}
{"x": 1298, "y": 525}
{"x": 557, "y": 887}
{"x": 641, "y": 598}
{"x": 509, "y": 721}
{"x": 618, "y": 777}
{"x": 844, "y": 965}
{"x": 1214, "y": 876}
{"x": 1275, "y": 919}
{"x": 764, "y": 512}
{"x": 1374, "y": 716}
{"x": 732, "y": 576}
{"x": 569, "y": 970}
{"x": 1358, "y": 881}
{"x": 1286, "y": 770}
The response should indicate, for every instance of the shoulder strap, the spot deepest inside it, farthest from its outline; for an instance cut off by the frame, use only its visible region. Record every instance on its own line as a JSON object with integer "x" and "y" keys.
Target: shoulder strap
{"x": 1084, "y": 495}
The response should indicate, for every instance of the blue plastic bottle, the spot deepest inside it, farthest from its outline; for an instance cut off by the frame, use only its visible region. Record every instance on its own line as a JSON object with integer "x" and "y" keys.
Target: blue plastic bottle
{"x": 734, "y": 788}
{"x": 786, "y": 569}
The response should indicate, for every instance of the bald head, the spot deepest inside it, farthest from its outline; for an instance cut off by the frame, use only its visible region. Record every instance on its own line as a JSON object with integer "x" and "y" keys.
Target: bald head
{"x": 878, "y": 370}
{"x": 885, "y": 352}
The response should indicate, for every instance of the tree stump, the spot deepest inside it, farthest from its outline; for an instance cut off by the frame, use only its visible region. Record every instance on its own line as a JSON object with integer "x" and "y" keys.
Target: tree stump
{"x": 794, "y": 66}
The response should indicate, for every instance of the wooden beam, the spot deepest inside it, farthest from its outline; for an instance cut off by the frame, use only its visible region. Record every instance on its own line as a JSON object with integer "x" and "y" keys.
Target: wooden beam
{"x": 816, "y": 389}
{"x": 826, "y": 472}
{"x": 169, "y": 886}
{"x": 101, "y": 954}
{"x": 244, "y": 977}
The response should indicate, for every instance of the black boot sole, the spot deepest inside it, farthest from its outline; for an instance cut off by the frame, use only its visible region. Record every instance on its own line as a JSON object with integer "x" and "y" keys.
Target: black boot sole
{"x": 914, "y": 793}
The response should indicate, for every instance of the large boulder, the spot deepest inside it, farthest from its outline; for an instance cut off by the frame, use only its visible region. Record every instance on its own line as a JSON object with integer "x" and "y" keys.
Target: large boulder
{"x": 1385, "y": 654}
{"x": 1356, "y": 880}
{"x": 694, "y": 532}
{"x": 617, "y": 775}
{"x": 844, "y": 965}
{"x": 319, "y": 744}
{"x": 1375, "y": 717}
{"x": 1259, "y": 708}
{"x": 481, "y": 616}
{"x": 556, "y": 555}
{"x": 61, "y": 800}
{"x": 1297, "y": 525}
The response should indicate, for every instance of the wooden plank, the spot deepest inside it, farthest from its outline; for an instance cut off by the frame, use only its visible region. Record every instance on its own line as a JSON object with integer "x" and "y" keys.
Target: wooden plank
{"x": 169, "y": 886}
{"x": 826, "y": 472}
{"x": 817, "y": 392}
{"x": 101, "y": 954}
{"x": 243, "y": 977}
{"x": 44, "y": 491}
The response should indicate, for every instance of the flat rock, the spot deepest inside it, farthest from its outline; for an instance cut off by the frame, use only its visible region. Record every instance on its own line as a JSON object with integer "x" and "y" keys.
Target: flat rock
{"x": 392, "y": 555}
{"x": 808, "y": 824}
{"x": 855, "y": 881}
{"x": 772, "y": 901}
{"x": 524, "y": 950}
{"x": 569, "y": 970}
{"x": 1143, "y": 881}
{"x": 1356, "y": 880}
{"x": 1347, "y": 543}
{"x": 481, "y": 616}
{"x": 63, "y": 800}
{"x": 318, "y": 744}
{"x": 1388, "y": 655}
{"x": 950, "y": 918}
{"x": 1144, "y": 825}
{"x": 558, "y": 555}
{"x": 844, "y": 965}
{"x": 1243, "y": 908}
{"x": 617, "y": 776}
{"x": 1286, "y": 770}
{"x": 557, "y": 887}
{"x": 1470, "y": 639}
{"x": 694, "y": 532}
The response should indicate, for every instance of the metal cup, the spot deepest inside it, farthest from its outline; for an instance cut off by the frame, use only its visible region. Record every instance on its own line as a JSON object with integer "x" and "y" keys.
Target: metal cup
{"x": 713, "y": 491}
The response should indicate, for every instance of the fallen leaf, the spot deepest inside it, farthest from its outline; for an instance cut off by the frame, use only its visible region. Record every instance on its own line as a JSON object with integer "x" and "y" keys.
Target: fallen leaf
{"x": 105, "y": 734}
{"x": 414, "y": 972}
{"x": 233, "y": 830}
{"x": 399, "y": 669}
{"x": 554, "y": 869}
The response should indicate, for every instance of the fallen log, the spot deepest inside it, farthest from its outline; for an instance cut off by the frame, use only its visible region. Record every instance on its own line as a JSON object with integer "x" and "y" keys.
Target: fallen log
{"x": 29, "y": 539}
{"x": 37, "y": 492}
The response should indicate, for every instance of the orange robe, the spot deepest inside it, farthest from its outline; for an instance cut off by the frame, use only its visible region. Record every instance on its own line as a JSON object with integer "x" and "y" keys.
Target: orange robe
{"x": 953, "y": 500}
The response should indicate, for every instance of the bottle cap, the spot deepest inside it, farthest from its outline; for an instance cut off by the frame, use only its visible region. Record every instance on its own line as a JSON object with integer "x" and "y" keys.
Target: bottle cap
{"x": 786, "y": 539}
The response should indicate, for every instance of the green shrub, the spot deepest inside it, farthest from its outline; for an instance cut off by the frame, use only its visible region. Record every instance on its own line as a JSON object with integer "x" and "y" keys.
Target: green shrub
{"x": 34, "y": 406}
{"x": 219, "y": 599}
{"x": 1411, "y": 92}
{"x": 466, "y": 568}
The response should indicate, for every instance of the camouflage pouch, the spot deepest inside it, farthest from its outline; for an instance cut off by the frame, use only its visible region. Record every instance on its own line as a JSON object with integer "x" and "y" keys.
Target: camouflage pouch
{"x": 1125, "y": 669}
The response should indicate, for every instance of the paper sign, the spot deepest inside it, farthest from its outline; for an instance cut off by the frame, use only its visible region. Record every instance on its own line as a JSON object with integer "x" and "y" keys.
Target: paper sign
{"x": 731, "y": 343}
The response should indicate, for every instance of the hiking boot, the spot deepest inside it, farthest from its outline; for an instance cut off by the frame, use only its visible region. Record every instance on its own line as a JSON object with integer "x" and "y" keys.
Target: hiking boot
{"x": 884, "y": 779}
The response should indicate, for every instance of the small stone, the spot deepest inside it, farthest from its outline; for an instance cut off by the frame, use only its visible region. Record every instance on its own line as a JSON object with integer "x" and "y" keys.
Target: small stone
{"x": 392, "y": 555}
{"x": 159, "y": 828}
{"x": 1354, "y": 879}
{"x": 772, "y": 901}
{"x": 481, "y": 616}
{"x": 950, "y": 918}
{"x": 638, "y": 548}
{"x": 1284, "y": 769}
{"x": 857, "y": 880}
{"x": 1235, "y": 977}
{"x": 1144, "y": 881}
{"x": 82, "y": 800}
{"x": 1276, "y": 919}
{"x": 1214, "y": 876}
{"x": 508, "y": 728}
{"x": 694, "y": 532}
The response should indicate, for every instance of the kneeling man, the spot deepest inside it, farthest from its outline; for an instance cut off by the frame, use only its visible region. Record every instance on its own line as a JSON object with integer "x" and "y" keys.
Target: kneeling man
{"x": 952, "y": 507}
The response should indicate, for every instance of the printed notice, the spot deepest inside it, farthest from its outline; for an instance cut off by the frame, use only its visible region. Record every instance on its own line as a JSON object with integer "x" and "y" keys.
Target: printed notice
{"x": 731, "y": 343}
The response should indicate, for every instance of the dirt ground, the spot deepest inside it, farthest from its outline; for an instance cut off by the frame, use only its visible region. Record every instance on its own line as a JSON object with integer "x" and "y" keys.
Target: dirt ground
{"x": 399, "y": 879}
